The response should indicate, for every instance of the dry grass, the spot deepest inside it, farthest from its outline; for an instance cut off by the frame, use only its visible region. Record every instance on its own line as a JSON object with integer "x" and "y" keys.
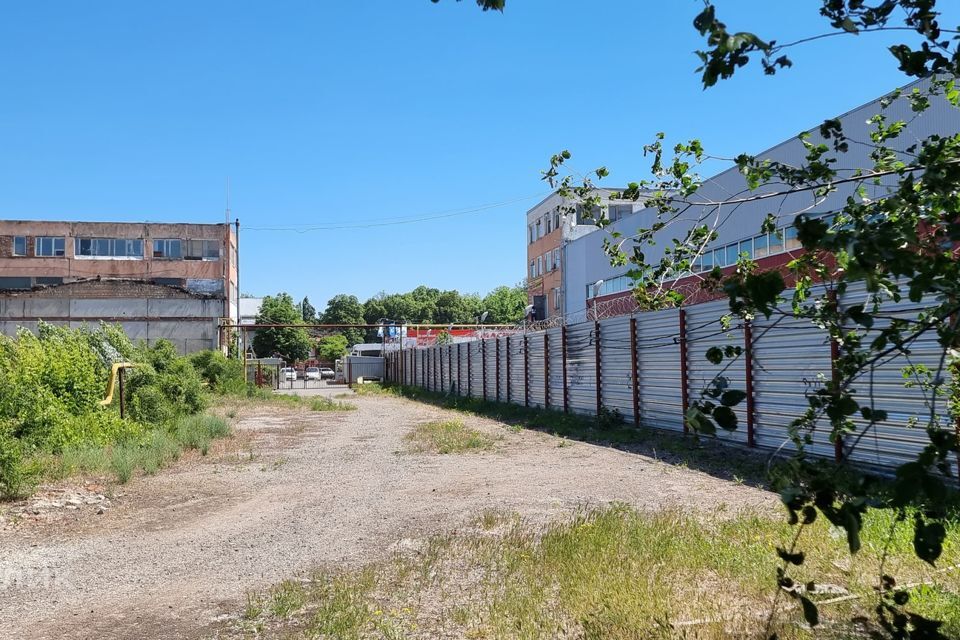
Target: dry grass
{"x": 447, "y": 436}
{"x": 609, "y": 573}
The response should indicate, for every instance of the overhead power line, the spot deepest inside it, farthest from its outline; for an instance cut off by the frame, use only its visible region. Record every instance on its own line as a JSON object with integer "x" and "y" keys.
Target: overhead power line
{"x": 398, "y": 220}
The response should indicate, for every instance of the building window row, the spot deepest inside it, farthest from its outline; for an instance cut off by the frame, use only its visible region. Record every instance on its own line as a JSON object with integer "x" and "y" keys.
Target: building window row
{"x": 544, "y": 226}
{"x": 610, "y": 286}
{"x": 129, "y": 248}
{"x": 759, "y": 246}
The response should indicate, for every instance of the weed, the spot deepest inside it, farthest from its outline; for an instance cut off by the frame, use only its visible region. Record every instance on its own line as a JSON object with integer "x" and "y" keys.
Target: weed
{"x": 447, "y": 436}
{"x": 123, "y": 461}
{"x": 286, "y": 598}
{"x": 326, "y": 404}
{"x": 254, "y": 606}
{"x": 196, "y": 432}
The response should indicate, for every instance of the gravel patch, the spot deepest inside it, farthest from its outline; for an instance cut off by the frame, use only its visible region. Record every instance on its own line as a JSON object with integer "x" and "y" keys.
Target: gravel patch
{"x": 175, "y": 556}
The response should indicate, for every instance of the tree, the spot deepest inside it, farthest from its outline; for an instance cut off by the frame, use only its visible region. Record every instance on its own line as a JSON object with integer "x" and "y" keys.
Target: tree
{"x": 900, "y": 244}
{"x": 329, "y": 348}
{"x": 307, "y": 312}
{"x": 505, "y": 304}
{"x": 345, "y": 309}
{"x": 290, "y": 343}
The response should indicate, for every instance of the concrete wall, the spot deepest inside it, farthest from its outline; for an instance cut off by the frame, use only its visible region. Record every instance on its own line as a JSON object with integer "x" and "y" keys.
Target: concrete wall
{"x": 145, "y": 311}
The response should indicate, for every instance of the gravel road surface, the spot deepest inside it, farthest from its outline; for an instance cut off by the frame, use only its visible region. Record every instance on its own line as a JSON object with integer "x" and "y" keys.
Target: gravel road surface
{"x": 174, "y": 554}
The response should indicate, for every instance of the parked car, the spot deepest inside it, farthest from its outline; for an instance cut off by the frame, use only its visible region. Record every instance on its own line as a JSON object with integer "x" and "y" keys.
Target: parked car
{"x": 288, "y": 373}
{"x": 327, "y": 372}
{"x": 312, "y": 373}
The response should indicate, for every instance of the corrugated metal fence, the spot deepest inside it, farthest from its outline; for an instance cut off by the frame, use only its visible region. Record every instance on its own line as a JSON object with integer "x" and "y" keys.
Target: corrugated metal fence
{"x": 650, "y": 366}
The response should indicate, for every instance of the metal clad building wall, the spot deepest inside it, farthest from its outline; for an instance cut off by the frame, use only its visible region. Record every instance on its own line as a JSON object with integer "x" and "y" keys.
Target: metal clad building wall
{"x": 615, "y": 364}
{"x": 581, "y": 369}
{"x": 790, "y": 356}
{"x": 704, "y": 331}
{"x": 658, "y": 361}
{"x": 516, "y": 370}
{"x": 535, "y": 373}
{"x": 556, "y": 368}
{"x": 504, "y": 374}
{"x": 464, "y": 348}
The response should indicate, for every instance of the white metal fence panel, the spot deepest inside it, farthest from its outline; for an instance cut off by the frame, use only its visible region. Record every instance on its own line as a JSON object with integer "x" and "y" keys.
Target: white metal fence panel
{"x": 616, "y": 366}
{"x": 581, "y": 368}
{"x": 490, "y": 358}
{"x": 704, "y": 331}
{"x": 501, "y": 355}
{"x": 658, "y": 360}
{"x": 535, "y": 369}
{"x": 463, "y": 375}
{"x": 517, "y": 383}
{"x": 476, "y": 368}
{"x": 790, "y": 357}
{"x": 555, "y": 358}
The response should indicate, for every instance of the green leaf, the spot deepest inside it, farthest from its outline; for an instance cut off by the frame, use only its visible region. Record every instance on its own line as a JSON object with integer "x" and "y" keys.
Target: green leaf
{"x": 726, "y": 418}
{"x": 733, "y": 397}
{"x": 714, "y": 355}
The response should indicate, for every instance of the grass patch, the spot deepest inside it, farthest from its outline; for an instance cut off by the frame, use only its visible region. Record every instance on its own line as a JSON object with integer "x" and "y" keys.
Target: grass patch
{"x": 720, "y": 461}
{"x": 328, "y": 404}
{"x": 447, "y": 436}
{"x": 619, "y": 573}
{"x": 156, "y": 450}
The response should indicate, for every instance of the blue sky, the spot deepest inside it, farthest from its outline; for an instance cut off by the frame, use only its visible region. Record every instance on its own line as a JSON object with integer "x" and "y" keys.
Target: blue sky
{"x": 352, "y": 112}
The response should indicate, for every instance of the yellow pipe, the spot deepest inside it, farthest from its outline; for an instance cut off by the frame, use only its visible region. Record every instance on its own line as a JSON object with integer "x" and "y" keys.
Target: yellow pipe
{"x": 113, "y": 376}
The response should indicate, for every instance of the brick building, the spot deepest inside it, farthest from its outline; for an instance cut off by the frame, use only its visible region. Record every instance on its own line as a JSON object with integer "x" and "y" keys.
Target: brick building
{"x": 158, "y": 280}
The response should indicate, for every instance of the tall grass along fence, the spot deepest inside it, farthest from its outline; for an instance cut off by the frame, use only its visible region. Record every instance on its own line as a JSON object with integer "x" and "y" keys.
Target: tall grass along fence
{"x": 650, "y": 366}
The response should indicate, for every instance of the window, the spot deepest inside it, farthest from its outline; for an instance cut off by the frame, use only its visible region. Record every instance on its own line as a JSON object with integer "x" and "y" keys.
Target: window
{"x": 549, "y": 223}
{"x": 548, "y": 260}
{"x": 776, "y": 242}
{"x": 108, "y": 247}
{"x": 731, "y": 251}
{"x": 533, "y": 238}
{"x": 790, "y": 238}
{"x": 556, "y": 297}
{"x": 706, "y": 261}
{"x": 533, "y": 269}
{"x": 539, "y": 265}
{"x": 746, "y": 246}
{"x": 760, "y": 248}
{"x": 47, "y": 247}
{"x": 584, "y": 217}
{"x": 539, "y": 229}
{"x": 167, "y": 249}
{"x": 202, "y": 250}
{"x": 556, "y": 258}
{"x": 20, "y": 245}
{"x": 556, "y": 219}
{"x": 619, "y": 211}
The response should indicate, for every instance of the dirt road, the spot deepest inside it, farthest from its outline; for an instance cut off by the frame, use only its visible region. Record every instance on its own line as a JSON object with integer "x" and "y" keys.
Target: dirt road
{"x": 177, "y": 552}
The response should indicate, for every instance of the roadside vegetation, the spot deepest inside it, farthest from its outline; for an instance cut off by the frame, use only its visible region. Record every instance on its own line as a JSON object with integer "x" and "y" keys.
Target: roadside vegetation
{"x": 52, "y": 423}
{"x": 609, "y": 573}
{"x": 731, "y": 463}
{"x": 447, "y": 436}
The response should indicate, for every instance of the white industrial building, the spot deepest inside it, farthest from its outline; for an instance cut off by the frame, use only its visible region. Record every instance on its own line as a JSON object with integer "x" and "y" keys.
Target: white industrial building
{"x": 585, "y": 263}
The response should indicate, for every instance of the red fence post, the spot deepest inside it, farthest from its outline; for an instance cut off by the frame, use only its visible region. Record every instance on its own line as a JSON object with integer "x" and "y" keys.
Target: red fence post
{"x": 684, "y": 400}
{"x": 634, "y": 373}
{"x": 563, "y": 359}
{"x": 546, "y": 371}
{"x": 596, "y": 359}
{"x": 526, "y": 371}
{"x": 748, "y": 370}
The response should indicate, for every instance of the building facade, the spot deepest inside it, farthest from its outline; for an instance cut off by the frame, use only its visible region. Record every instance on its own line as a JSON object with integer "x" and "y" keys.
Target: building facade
{"x": 173, "y": 281}
{"x": 738, "y": 226}
{"x": 551, "y": 224}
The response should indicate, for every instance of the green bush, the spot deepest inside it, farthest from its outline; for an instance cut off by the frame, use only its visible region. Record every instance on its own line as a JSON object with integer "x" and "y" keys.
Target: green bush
{"x": 148, "y": 405}
{"x": 222, "y": 374}
{"x": 17, "y": 476}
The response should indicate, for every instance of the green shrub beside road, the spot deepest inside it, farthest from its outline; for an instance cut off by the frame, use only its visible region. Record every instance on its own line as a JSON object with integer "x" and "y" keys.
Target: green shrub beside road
{"x": 51, "y": 419}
